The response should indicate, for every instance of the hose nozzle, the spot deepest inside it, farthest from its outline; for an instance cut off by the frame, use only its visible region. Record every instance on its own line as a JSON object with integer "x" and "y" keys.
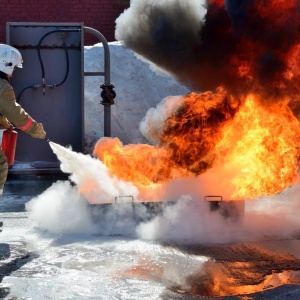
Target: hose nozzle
{"x": 47, "y": 139}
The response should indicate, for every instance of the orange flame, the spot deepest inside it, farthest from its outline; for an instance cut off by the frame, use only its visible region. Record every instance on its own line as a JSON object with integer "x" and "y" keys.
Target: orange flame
{"x": 217, "y": 284}
{"x": 260, "y": 144}
{"x": 141, "y": 164}
{"x": 213, "y": 279}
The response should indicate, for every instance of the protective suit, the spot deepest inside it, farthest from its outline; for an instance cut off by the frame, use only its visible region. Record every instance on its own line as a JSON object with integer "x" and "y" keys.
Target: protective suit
{"x": 10, "y": 110}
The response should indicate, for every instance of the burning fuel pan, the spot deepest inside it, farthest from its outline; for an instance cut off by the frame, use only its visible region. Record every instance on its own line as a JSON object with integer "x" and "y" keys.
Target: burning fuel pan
{"x": 126, "y": 207}
{"x": 233, "y": 209}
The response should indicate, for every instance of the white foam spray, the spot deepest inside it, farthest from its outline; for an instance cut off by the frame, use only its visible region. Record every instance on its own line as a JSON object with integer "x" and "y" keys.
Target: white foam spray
{"x": 65, "y": 207}
{"x": 92, "y": 177}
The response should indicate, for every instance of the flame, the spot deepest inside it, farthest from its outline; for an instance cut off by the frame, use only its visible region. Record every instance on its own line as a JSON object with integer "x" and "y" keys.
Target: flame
{"x": 141, "y": 164}
{"x": 217, "y": 284}
{"x": 247, "y": 125}
{"x": 261, "y": 145}
{"x": 145, "y": 269}
{"x": 186, "y": 146}
{"x": 214, "y": 279}
{"x": 211, "y": 129}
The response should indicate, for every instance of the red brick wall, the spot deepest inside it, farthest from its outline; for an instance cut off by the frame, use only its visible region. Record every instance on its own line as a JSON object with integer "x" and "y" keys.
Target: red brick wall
{"x": 98, "y": 14}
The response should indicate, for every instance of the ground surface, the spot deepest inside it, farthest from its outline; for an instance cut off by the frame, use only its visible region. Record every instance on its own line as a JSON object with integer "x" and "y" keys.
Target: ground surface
{"x": 38, "y": 265}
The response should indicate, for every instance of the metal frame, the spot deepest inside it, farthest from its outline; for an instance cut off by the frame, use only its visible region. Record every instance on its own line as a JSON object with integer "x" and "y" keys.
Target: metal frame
{"x": 43, "y": 166}
{"x": 106, "y": 74}
{"x": 107, "y": 94}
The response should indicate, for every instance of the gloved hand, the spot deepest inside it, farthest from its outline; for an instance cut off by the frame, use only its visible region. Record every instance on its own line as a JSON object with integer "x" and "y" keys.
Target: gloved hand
{"x": 38, "y": 131}
{"x": 5, "y": 124}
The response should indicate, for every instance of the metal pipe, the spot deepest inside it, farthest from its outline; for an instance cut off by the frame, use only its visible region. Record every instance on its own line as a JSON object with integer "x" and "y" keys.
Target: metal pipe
{"x": 107, "y": 106}
{"x": 106, "y": 52}
{"x": 93, "y": 73}
{"x": 107, "y": 120}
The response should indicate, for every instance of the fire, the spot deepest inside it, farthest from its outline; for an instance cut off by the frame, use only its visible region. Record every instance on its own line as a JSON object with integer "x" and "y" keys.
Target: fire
{"x": 217, "y": 284}
{"x": 211, "y": 129}
{"x": 261, "y": 145}
{"x": 186, "y": 147}
{"x": 214, "y": 279}
{"x": 246, "y": 125}
{"x": 141, "y": 164}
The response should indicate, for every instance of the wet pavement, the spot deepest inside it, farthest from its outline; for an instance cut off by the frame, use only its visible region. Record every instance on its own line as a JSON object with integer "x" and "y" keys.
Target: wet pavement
{"x": 38, "y": 265}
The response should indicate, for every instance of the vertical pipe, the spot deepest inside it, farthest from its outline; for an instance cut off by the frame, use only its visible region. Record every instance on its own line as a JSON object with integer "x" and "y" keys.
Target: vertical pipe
{"x": 107, "y": 107}
{"x": 106, "y": 52}
{"x": 107, "y": 120}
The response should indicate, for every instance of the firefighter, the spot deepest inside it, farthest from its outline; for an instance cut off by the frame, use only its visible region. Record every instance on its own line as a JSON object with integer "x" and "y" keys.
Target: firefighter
{"x": 10, "y": 110}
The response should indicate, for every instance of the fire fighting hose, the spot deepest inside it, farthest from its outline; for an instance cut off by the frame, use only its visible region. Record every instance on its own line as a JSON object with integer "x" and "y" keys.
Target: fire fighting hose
{"x": 42, "y": 64}
{"x": 66, "y": 52}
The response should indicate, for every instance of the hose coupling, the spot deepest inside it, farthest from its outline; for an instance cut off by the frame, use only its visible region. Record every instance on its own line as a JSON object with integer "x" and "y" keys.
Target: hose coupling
{"x": 44, "y": 86}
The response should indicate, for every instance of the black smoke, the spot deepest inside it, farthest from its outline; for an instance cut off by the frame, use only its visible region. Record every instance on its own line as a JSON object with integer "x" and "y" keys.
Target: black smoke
{"x": 243, "y": 46}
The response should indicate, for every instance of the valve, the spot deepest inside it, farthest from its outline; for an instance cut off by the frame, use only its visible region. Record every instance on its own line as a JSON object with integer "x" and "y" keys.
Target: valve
{"x": 108, "y": 94}
{"x": 44, "y": 86}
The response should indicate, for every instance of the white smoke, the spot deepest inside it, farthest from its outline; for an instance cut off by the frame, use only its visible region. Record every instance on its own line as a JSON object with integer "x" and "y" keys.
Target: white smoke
{"x": 277, "y": 215}
{"x": 164, "y": 32}
{"x": 61, "y": 209}
{"x": 137, "y": 19}
{"x": 153, "y": 123}
{"x": 188, "y": 220}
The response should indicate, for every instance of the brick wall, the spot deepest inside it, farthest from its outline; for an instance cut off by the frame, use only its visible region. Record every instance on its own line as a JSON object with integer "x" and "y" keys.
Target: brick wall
{"x": 98, "y": 14}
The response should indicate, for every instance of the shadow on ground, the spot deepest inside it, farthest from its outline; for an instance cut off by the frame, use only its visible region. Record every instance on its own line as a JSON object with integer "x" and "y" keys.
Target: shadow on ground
{"x": 10, "y": 261}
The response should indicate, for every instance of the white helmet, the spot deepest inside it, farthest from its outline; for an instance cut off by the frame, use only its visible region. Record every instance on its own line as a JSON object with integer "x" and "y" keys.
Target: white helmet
{"x": 10, "y": 58}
